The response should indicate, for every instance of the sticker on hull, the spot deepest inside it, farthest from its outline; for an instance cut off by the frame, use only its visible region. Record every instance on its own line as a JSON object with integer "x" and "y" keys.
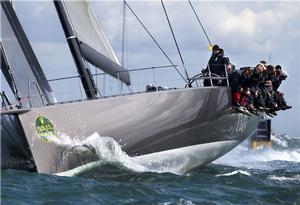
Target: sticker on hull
{"x": 241, "y": 123}
{"x": 44, "y": 128}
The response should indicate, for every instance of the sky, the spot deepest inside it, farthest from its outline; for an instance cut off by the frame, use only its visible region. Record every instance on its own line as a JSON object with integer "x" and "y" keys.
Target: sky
{"x": 248, "y": 31}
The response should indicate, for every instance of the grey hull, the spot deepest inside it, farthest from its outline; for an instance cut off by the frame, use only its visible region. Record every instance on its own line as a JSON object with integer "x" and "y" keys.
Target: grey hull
{"x": 15, "y": 152}
{"x": 143, "y": 124}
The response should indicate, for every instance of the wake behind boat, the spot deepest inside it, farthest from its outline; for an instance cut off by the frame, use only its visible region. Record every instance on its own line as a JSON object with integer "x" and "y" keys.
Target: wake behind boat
{"x": 197, "y": 120}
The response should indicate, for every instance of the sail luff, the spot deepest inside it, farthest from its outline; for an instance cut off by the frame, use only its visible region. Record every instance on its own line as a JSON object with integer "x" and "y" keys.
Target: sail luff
{"x": 107, "y": 44}
{"x": 89, "y": 88}
{"x": 94, "y": 45}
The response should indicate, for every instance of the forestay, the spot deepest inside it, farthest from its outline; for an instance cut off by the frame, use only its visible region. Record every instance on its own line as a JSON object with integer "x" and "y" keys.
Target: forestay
{"x": 94, "y": 45}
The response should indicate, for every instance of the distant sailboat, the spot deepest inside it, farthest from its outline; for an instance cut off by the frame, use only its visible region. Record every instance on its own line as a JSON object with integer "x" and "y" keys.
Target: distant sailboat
{"x": 199, "y": 120}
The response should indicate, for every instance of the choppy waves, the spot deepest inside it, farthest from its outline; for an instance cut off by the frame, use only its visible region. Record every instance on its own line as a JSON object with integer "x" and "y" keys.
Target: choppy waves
{"x": 243, "y": 176}
{"x": 284, "y": 150}
{"x": 109, "y": 152}
{"x": 282, "y": 178}
{"x": 277, "y": 167}
{"x": 234, "y": 173}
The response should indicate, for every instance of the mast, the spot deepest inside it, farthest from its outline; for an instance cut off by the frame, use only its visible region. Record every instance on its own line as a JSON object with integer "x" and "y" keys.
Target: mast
{"x": 86, "y": 79}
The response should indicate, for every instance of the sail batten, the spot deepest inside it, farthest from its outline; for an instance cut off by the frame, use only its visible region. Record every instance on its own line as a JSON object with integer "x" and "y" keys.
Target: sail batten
{"x": 94, "y": 45}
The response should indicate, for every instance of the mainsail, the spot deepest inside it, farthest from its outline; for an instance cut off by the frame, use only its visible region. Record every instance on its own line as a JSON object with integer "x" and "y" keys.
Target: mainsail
{"x": 19, "y": 62}
{"x": 93, "y": 44}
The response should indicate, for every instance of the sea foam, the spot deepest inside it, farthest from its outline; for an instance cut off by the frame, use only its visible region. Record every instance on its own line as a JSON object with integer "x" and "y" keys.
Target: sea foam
{"x": 234, "y": 173}
{"x": 244, "y": 156}
{"x": 109, "y": 151}
{"x": 283, "y": 178}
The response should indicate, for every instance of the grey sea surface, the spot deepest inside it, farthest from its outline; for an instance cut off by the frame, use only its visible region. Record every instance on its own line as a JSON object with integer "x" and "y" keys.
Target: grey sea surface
{"x": 243, "y": 176}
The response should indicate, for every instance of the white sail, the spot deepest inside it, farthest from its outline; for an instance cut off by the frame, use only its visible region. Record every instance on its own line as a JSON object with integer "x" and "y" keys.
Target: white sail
{"x": 94, "y": 46}
{"x": 87, "y": 28}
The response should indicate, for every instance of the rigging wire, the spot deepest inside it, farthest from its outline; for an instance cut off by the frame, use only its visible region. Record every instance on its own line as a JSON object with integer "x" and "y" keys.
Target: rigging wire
{"x": 155, "y": 41}
{"x": 178, "y": 50}
{"x": 123, "y": 39}
{"x": 200, "y": 22}
{"x": 123, "y": 33}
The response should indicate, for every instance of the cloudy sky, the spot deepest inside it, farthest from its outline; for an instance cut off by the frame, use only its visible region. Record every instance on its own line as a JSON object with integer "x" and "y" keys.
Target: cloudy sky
{"x": 248, "y": 31}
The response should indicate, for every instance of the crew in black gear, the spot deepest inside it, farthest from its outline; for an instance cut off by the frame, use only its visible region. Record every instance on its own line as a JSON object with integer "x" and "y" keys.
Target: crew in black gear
{"x": 217, "y": 65}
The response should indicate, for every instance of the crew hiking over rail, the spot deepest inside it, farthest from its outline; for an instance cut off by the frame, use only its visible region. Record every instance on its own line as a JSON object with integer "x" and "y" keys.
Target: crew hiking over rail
{"x": 253, "y": 88}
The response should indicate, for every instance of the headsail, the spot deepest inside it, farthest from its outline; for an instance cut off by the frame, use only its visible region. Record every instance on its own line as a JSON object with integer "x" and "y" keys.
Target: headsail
{"x": 94, "y": 46}
{"x": 21, "y": 63}
{"x": 6, "y": 71}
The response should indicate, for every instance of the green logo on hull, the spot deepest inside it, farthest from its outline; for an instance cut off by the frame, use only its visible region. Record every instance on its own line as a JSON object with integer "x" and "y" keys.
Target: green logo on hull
{"x": 44, "y": 127}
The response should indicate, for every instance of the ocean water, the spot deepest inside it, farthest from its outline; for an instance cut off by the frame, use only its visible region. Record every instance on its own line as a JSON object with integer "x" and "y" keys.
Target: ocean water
{"x": 243, "y": 176}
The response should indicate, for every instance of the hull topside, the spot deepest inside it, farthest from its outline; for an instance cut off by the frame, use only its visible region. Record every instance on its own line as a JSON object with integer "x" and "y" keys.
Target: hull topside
{"x": 142, "y": 124}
